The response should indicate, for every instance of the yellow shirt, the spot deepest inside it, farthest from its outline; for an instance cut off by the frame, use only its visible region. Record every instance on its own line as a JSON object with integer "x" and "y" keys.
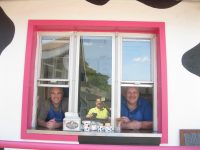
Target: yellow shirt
{"x": 101, "y": 113}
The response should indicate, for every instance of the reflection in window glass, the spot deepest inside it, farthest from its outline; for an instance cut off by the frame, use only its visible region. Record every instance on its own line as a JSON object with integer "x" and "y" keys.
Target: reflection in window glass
{"x": 136, "y": 60}
{"x": 95, "y": 74}
{"x": 55, "y": 57}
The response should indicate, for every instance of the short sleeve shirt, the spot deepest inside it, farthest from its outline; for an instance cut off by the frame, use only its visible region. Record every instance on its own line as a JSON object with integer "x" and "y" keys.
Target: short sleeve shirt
{"x": 101, "y": 113}
{"x": 143, "y": 111}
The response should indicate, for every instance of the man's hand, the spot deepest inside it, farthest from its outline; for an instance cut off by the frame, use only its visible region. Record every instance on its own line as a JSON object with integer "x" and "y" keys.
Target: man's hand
{"x": 52, "y": 124}
{"x": 124, "y": 119}
{"x": 89, "y": 116}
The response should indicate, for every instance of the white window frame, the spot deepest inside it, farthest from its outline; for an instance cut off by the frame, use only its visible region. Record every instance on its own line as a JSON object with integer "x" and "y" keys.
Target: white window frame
{"x": 73, "y": 74}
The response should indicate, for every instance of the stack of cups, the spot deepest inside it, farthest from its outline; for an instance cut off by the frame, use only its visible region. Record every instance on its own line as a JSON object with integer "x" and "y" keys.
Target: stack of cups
{"x": 86, "y": 125}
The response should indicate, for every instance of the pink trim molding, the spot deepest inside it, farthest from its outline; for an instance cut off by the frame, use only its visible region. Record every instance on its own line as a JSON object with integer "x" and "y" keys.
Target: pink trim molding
{"x": 56, "y": 146}
{"x": 34, "y": 26}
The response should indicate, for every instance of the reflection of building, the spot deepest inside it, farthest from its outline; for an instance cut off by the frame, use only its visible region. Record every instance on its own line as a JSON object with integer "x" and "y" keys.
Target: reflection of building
{"x": 55, "y": 57}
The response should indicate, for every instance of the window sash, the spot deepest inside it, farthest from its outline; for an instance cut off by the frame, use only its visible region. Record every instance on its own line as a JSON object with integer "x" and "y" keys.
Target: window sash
{"x": 78, "y": 35}
{"x": 38, "y": 82}
{"x": 101, "y": 46}
{"x": 143, "y": 84}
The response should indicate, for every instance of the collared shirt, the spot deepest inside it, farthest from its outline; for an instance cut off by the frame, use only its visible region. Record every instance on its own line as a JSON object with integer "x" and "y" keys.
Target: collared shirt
{"x": 101, "y": 113}
{"x": 45, "y": 105}
{"x": 57, "y": 115}
{"x": 143, "y": 111}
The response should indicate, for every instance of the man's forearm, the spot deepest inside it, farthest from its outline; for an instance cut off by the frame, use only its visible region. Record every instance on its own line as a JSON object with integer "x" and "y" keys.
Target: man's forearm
{"x": 131, "y": 125}
{"x": 50, "y": 124}
{"x": 41, "y": 123}
{"x": 147, "y": 125}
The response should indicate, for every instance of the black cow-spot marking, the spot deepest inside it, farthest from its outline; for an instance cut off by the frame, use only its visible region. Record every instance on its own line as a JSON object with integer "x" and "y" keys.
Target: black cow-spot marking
{"x": 98, "y": 2}
{"x": 161, "y": 4}
{"x": 7, "y": 30}
{"x": 191, "y": 60}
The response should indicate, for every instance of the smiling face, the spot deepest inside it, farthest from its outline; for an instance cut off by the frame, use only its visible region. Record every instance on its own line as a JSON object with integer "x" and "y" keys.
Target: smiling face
{"x": 132, "y": 95}
{"x": 99, "y": 104}
{"x": 56, "y": 94}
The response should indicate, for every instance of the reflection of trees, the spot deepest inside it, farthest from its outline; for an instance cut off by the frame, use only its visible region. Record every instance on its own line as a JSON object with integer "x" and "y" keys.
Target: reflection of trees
{"x": 97, "y": 79}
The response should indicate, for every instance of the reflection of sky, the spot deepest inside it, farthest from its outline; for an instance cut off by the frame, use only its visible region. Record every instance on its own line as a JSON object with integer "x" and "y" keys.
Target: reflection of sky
{"x": 98, "y": 54}
{"x": 136, "y": 60}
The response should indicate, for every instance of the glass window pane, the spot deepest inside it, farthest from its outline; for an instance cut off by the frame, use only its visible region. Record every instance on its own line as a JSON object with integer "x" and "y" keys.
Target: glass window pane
{"x": 95, "y": 74}
{"x": 55, "y": 57}
{"x": 136, "y": 60}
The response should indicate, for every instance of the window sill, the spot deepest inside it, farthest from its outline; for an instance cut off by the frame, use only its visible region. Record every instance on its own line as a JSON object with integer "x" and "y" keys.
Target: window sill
{"x": 135, "y": 137}
{"x": 124, "y": 133}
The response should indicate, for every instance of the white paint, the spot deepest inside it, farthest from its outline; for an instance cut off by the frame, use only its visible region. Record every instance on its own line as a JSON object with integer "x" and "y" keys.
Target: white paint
{"x": 182, "y": 33}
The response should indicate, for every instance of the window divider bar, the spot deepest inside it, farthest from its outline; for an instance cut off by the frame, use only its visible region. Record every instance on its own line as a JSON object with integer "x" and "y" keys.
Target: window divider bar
{"x": 136, "y": 85}
{"x": 138, "y": 82}
{"x": 52, "y": 85}
{"x": 54, "y": 80}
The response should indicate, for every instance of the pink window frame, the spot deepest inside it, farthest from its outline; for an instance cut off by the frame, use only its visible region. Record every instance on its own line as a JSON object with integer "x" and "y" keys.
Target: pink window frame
{"x": 34, "y": 26}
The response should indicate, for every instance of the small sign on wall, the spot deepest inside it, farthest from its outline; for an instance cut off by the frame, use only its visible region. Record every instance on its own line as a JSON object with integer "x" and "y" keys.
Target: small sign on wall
{"x": 190, "y": 137}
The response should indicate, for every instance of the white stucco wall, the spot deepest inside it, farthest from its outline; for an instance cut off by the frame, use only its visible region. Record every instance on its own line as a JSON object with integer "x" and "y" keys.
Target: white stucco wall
{"x": 182, "y": 33}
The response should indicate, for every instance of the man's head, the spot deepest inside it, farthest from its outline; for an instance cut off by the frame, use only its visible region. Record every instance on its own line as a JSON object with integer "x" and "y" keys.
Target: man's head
{"x": 132, "y": 95}
{"x": 56, "y": 94}
{"x": 99, "y": 103}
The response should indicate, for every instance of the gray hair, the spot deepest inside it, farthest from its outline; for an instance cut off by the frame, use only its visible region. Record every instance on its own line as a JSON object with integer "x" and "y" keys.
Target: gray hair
{"x": 61, "y": 89}
{"x": 137, "y": 88}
